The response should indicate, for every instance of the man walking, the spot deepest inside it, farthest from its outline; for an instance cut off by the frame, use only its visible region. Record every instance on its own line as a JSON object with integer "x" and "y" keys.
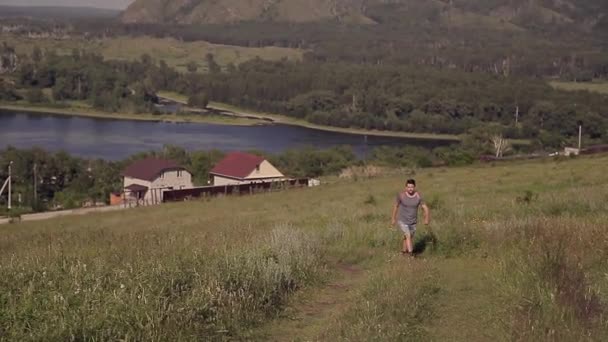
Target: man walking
{"x": 405, "y": 214}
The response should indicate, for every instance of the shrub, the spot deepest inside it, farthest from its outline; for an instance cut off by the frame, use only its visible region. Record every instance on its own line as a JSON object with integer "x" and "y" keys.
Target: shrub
{"x": 528, "y": 197}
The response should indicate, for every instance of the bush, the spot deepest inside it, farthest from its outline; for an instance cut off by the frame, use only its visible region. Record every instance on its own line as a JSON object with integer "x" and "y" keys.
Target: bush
{"x": 527, "y": 197}
{"x": 200, "y": 100}
{"x": 454, "y": 156}
{"x": 35, "y": 95}
{"x": 370, "y": 200}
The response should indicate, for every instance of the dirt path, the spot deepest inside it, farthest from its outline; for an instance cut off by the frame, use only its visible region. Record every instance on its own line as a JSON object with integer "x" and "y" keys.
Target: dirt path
{"x": 465, "y": 309}
{"x": 309, "y": 313}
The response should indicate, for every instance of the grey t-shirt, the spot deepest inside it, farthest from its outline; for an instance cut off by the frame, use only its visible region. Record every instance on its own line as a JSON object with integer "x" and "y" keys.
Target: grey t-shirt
{"x": 408, "y": 207}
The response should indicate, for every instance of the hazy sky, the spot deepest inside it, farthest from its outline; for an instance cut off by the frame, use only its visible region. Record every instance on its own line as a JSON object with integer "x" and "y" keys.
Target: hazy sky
{"x": 115, "y": 4}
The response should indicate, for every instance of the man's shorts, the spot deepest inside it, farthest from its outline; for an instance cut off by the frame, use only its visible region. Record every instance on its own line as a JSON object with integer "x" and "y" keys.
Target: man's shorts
{"x": 407, "y": 229}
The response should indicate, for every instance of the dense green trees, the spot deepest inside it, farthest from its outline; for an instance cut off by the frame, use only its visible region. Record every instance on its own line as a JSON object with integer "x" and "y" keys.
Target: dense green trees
{"x": 404, "y": 98}
{"x": 58, "y": 178}
{"x": 83, "y": 76}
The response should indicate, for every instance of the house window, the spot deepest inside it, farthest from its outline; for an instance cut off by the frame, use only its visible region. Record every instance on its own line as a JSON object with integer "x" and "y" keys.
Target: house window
{"x": 162, "y": 175}
{"x": 257, "y": 168}
{"x": 179, "y": 173}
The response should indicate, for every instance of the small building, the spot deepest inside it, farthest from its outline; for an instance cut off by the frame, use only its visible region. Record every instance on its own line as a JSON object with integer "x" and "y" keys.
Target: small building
{"x": 242, "y": 168}
{"x": 115, "y": 198}
{"x": 570, "y": 151}
{"x": 145, "y": 180}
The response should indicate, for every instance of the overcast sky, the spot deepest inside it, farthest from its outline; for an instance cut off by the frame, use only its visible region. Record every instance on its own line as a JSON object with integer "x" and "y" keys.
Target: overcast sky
{"x": 114, "y": 4}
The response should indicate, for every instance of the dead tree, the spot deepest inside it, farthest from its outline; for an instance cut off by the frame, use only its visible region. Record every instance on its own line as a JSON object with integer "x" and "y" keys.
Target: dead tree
{"x": 501, "y": 145}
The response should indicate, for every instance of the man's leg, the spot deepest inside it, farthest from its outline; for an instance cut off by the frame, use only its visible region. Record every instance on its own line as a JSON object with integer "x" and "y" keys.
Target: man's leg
{"x": 407, "y": 243}
{"x": 412, "y": 241}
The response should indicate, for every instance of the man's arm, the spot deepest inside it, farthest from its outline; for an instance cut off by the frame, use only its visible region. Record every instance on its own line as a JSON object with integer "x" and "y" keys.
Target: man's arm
{"x": 394, "y": 216}
{"x": 427, "y": 213}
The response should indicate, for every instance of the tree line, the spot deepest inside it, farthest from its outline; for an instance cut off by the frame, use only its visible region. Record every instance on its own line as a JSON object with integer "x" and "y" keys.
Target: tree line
{"x": 406, "y": 98}
{"x": 113, "y": 86}
{"x": 44, "y": 180}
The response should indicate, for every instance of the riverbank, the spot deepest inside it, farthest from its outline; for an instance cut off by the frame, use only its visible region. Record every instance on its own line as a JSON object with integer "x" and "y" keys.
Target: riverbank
{"x": 285, "y": 120}
{"x": 230, "y": 115}
{"x": 92, "y": 113}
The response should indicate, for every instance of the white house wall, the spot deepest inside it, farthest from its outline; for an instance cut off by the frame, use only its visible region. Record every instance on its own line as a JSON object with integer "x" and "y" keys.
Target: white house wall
{"x": 168, "y": 180}
{"x": 219, "y": 180}
{"x": 266, "y": 173}
{"x": 266, "y": 170}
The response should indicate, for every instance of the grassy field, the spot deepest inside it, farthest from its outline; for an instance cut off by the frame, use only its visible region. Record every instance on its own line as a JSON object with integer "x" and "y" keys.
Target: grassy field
{"x": 598, "y": 87}
{"x": 77, "y": 108}
{"x": 519, "y": 254}
{"x": 176, "y": 53}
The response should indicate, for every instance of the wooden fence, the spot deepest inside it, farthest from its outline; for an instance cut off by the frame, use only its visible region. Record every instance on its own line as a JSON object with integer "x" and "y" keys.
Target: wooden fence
{"x": 227, "y": 190}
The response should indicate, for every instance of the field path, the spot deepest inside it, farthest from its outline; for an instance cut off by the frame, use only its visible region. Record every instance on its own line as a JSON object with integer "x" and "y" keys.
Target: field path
{"x": 465, "y": 309}
{"x": 310, "y": 311}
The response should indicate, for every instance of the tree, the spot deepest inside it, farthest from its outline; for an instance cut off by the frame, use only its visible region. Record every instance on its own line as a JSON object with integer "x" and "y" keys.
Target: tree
{"x": 501, "y": 145}
{"x": 35, "y": 95}
{"x": 212, "y": 65}
{"x": 37, "y": 55}
{"x": 192, "y": 67}
{"x": 200, "y": 100}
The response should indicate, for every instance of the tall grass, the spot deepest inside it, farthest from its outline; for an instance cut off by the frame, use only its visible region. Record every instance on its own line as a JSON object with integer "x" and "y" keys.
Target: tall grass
{"x": 557, "y": 274}
{"x": 215, "y": 270}
{"x": 178, "y": 295}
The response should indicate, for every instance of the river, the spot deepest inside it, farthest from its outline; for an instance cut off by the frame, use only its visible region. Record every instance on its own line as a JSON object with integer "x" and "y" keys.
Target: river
{"x": 116, "y": 139}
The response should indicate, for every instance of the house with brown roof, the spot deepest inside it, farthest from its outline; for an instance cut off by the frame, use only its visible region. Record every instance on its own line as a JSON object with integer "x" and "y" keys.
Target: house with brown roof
{"x": 242, "y": 168}
{"x": 145, "y": 180}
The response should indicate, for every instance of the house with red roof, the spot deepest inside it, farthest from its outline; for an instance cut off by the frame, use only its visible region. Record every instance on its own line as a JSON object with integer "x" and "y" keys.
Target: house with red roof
{"x": 145, "y": 180}
{"x": 242, "y": 168}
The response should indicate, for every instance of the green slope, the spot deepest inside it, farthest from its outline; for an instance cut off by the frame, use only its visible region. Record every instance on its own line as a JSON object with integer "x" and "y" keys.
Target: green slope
{"x": 520, "y": 254}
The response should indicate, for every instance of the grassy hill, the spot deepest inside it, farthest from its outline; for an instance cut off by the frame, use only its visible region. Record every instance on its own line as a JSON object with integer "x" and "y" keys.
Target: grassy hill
{"x": 597, "y": 87}
{"x": 177, "y": 54}
{"x": 508, "y": 14}
{"x": 520, "y": 254}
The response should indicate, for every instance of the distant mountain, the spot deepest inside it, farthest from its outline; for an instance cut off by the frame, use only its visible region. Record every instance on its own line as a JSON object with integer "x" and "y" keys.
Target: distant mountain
{"x": 44, "y": 12}
{"x": 107, "y": 4}
{"x": 213, "y": 11}
{"x": 508, "y": 14}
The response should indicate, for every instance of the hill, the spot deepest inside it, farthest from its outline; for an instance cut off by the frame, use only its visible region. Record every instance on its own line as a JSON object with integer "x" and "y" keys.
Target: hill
{"x": 519, "y": 253}
{"x": 203, "y": 11}
{"x": 533, "y": 38}
{"x": 507, "y": 14}
{"x": 51, "y": 12}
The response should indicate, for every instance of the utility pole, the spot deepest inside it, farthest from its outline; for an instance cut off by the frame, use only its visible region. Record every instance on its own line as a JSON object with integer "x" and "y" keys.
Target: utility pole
{"x": 516, "y": 115}
{"x": 35, "y": 186}
{"x": 365, "y": 147}
{"x": 580, "y": 136}
{"x": 10, "y": 164}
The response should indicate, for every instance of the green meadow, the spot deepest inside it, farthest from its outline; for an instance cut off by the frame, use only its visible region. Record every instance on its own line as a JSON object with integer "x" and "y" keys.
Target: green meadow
{"x": 515, "y": 251}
